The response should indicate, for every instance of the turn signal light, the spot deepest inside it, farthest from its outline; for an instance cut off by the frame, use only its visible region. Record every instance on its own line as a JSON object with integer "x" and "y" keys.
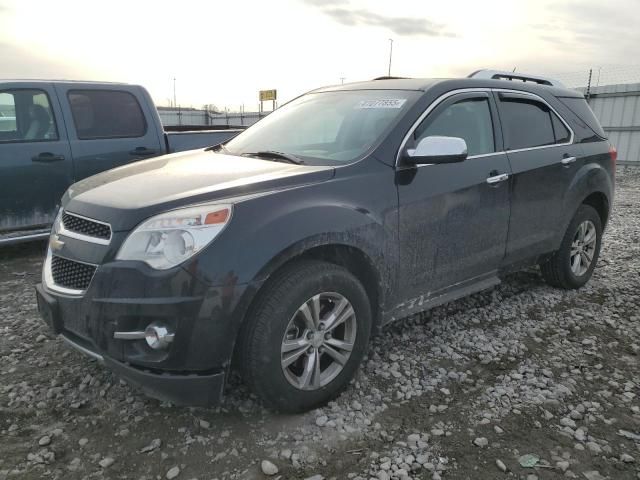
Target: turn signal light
{"x": 218, "y": 217}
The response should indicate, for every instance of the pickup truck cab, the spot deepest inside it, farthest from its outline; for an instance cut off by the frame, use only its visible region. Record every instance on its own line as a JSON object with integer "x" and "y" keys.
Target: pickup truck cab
{"x": 347, "y": 208}
{"x": 55, "y": 133}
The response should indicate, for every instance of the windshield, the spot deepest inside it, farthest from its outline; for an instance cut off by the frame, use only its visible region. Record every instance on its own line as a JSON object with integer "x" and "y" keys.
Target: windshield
{"x": 334, "y": 127}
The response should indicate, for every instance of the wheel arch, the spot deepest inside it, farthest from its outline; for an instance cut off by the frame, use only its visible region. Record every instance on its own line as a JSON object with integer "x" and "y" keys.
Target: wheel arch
{"x": 353, "y": 258}
{"x": 600, "y": 203}
{"x": 336, "y": 251}
{"x": 591, "y": 185}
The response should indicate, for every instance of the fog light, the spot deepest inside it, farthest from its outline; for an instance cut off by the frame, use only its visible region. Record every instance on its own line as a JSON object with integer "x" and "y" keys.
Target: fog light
{"x": 158, "y": 336}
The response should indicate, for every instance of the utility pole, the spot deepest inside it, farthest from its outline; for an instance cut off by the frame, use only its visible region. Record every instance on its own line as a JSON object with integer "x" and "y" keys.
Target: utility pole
{"x": 390, "y": 54}
{"x": 174, "y": 93}
{"x": 342, "y": 80}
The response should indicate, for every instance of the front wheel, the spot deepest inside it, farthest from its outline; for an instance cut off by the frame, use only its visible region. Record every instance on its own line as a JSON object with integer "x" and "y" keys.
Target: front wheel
{"x": 306, "y": 336}
{"x": 573, "y": 264}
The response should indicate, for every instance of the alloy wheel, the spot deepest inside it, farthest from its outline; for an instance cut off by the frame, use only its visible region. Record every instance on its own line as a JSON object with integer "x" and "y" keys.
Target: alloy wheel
{"x": 583, "y": 248}
{"x": 318, "y": 341}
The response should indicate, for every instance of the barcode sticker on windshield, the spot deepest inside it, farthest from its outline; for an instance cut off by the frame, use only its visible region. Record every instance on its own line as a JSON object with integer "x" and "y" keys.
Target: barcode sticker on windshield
{"x": 382, "y": 103}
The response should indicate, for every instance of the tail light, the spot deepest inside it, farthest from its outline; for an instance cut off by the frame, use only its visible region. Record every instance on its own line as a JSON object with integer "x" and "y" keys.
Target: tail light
{"x": 613, "y": 154}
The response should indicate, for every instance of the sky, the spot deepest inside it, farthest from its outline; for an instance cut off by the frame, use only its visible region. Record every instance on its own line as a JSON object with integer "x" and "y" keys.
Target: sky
{"x": 224, "y": 52}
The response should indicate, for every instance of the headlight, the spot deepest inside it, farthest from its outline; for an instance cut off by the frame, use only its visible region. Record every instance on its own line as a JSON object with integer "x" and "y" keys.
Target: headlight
{"x": 170, "y": 238}
{"x": 56, "y": 223}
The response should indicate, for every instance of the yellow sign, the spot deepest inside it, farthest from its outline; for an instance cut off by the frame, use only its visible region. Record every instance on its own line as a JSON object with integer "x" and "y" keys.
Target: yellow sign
{"x": 267, "y": 95}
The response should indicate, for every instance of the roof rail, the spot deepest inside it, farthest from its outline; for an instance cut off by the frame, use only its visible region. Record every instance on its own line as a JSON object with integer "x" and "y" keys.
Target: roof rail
{"x": 389, "y": 78}
{"x": 523, "y": 77}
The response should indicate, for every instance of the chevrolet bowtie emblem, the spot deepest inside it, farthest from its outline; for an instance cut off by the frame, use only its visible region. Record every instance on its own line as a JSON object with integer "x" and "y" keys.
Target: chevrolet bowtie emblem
{"x": 55, "y": 243}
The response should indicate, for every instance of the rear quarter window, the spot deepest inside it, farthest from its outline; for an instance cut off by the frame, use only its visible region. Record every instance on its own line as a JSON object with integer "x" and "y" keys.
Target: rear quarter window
{"x": 106, "y": 114}
{"x": 581, "y": 109}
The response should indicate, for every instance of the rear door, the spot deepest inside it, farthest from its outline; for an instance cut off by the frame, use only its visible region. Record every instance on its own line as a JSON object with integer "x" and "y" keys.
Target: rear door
{"x": 108, "y": 127}
{"x": 35, "y": 160}
{"x": 453, "y": 222}
{"x": 543, "y": 157}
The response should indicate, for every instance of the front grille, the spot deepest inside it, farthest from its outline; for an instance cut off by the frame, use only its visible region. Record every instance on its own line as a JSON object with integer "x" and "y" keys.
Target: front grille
{"x": 84, "y": 226}
{"x": 70, "y": 274}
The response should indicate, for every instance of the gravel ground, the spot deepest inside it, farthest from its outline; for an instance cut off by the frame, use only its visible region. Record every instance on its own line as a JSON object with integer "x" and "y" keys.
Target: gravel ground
{"x": 521, "y": 381}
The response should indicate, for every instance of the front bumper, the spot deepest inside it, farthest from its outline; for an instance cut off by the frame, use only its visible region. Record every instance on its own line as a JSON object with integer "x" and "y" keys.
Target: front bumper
{"x": 127, "y": 296}
{"x": 201, "y": 390}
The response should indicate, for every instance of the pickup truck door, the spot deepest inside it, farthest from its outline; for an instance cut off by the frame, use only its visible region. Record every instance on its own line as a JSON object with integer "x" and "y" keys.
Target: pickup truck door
{"x": 454, "y": 217}
{"x": 108, "y": 126}
{"x": 35, "y": 159}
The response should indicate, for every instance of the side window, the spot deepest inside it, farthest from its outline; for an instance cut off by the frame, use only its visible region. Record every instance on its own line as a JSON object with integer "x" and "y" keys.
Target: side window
{"x": 527, "y": 123}
{"x": 562, "y": 133}
{"x": 106, "y": 114}
{"x": 469, "y": 119}
{"x": 26, "y": 116}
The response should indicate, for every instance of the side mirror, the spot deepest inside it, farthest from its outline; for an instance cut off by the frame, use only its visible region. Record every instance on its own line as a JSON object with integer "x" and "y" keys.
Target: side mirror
{"x": 437, "y": 149}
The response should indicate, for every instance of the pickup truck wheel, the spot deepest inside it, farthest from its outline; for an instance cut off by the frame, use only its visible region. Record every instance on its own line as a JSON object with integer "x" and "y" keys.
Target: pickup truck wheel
{"x": 306, "y": 336}
{"x": 573, "y": 264}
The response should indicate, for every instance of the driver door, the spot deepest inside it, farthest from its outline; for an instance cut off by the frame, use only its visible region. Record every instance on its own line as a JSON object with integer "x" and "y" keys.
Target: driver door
{"x": 35, "y": 159}
{"x": 453, "y": 222}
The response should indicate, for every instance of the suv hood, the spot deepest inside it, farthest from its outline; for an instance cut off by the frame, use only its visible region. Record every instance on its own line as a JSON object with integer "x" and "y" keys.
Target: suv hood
{"x": 127, "y": 195}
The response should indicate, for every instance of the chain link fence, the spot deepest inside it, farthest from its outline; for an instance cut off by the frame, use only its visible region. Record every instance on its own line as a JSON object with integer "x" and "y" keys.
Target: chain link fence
{"x": 177, "y": 117}
{"x": 600, "y": 75}
{"x": 613, "y": 93}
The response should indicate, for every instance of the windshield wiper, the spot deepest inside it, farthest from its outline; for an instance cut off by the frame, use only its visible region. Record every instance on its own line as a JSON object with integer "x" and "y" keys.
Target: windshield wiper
{"x": 278, "y": 156}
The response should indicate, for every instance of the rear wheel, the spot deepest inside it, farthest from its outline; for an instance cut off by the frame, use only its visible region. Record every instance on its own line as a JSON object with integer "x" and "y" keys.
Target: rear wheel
{"x": 306, "y": 336}
{"x": 573, "y": 264}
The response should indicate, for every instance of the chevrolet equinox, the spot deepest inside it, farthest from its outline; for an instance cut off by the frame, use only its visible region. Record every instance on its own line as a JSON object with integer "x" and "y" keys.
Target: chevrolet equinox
{"x": 286, "y": 247}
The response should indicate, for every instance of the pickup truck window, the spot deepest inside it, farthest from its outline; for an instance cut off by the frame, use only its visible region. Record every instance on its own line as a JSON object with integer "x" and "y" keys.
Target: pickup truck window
{"x": 327, "y": 127}
{"x": 26, "y": 116}
{"x": 7, "y": 114}
{"x": 469, "y": 119}
{"x": 106, "y": 114}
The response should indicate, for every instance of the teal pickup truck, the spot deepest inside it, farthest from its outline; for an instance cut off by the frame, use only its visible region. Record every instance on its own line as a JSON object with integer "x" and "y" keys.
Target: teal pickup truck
{"x": 54, "y": 133}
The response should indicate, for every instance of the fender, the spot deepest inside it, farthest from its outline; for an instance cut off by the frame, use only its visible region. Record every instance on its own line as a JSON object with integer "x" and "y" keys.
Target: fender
{"x": 263, "y": 246}
{"x": 269, "y": 230}
{"x": 286, "y": 234}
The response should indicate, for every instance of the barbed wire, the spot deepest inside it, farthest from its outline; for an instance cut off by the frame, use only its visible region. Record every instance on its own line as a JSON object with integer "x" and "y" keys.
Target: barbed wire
{"x": 600, "y": 75}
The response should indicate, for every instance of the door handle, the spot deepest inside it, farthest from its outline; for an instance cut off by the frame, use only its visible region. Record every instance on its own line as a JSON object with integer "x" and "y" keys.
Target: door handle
{"x": 47, "y": 157}
{"x": 142, "y": 152}
{"x": 568, "y": 160}
{"x": 497, "y": 178}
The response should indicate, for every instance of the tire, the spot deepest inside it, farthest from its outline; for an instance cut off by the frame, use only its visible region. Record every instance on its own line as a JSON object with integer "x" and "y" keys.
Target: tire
{"x": 283, "y": 315}
{"x": 558, "y": 271}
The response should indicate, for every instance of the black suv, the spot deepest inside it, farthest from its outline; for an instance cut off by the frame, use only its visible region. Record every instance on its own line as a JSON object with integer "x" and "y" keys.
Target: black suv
{"x": 347, "y": 208}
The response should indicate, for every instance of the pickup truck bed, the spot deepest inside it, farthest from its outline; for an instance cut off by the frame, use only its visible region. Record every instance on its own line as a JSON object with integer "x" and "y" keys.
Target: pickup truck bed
{"x": 190, "y": 140}
{"x": 55, "y": 133}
